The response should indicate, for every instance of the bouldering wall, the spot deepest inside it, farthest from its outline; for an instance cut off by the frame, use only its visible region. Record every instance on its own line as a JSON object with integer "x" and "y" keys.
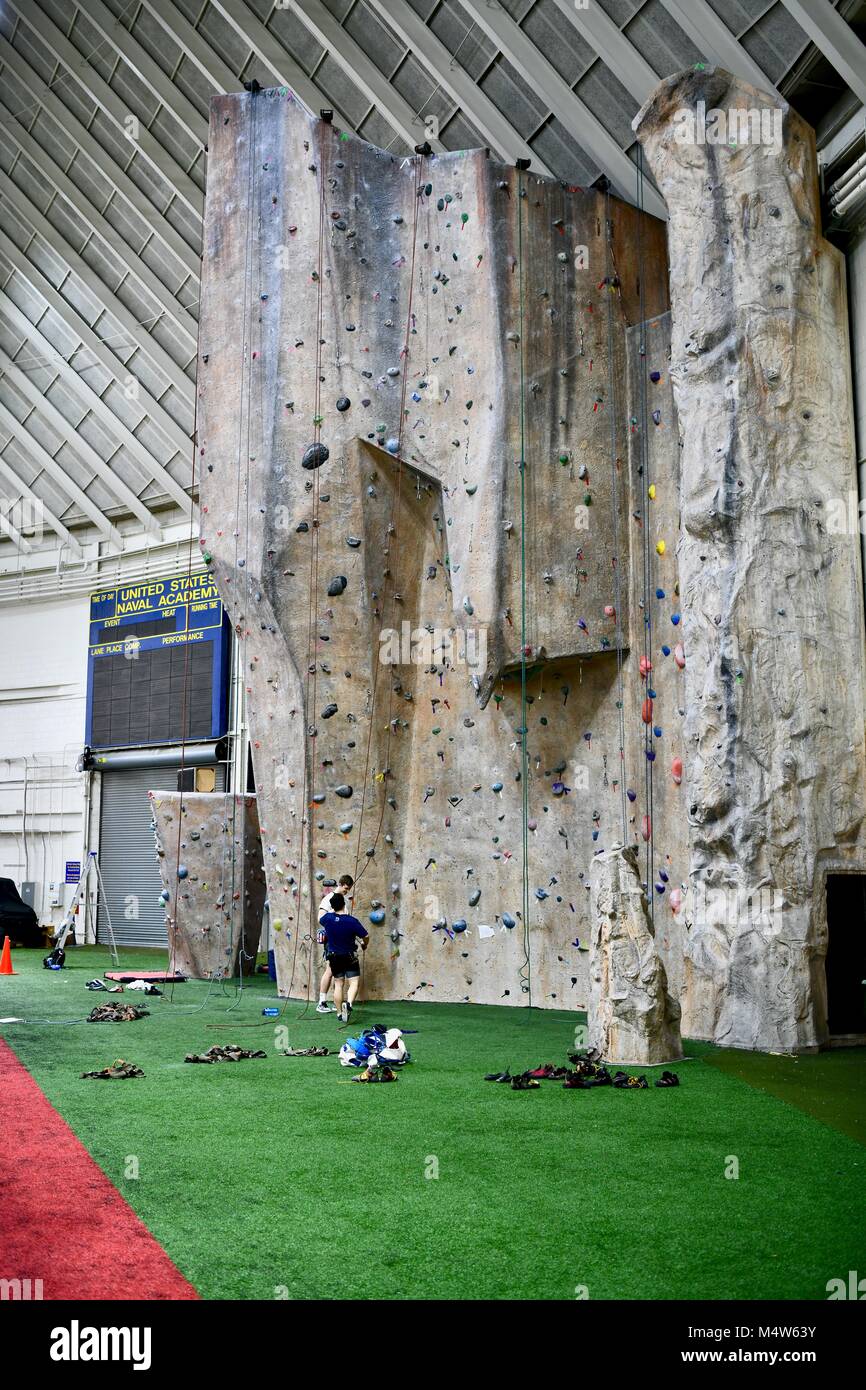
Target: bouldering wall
{"x": 771, "y": 596}
{"x": 417, "y": 478}
{"x": 209, "y": 854}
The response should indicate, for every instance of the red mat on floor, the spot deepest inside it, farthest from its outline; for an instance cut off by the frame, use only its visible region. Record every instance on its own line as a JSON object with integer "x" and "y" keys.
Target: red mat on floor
{"x": 61, "y": 1220}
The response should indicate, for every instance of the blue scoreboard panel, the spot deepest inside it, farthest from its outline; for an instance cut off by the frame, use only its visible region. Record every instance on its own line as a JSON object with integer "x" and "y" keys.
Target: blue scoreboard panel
{"x": 158, "y": 663}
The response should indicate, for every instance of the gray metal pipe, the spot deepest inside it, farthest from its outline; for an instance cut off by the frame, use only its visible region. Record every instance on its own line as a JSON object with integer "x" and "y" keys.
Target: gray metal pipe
{"x": 193, "y": 755}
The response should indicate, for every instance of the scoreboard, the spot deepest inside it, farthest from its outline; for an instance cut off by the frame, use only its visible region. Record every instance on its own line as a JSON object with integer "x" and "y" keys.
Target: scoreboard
{"x": 158, "y": 663}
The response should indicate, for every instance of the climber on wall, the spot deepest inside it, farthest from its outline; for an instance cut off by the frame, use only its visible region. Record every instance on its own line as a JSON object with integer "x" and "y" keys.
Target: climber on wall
{"x": 341, "y": 932}
{"x": 327, "y": 980}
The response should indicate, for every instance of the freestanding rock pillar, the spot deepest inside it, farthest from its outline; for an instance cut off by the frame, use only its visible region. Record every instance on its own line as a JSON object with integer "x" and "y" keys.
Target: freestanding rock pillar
{"x": 632, "y": 1017}
{"x": 210, "y": 861}
{"x": 771, "y": 590}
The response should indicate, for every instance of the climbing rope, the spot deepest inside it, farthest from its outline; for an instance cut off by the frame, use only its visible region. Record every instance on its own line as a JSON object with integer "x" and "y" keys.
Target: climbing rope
{"x": 525, "y": 969}
{"x": 612, "y": 279}
{"x": 392, "y": 533}
{"x": 649, "y": 750}
{"x": 310, "y": 677}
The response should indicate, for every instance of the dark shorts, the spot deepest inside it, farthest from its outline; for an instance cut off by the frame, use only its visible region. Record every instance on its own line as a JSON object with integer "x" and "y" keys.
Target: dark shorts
{"x": 344, "y": 967}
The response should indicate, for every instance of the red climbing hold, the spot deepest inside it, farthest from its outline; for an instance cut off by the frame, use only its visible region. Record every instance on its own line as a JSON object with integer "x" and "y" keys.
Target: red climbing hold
{"x": 680, "y": 655}
{"x": 677, "y": 770}
{"x": 645, "y": 666}
{"x": 646, "y": 713}
{"x": 646, "y": 827}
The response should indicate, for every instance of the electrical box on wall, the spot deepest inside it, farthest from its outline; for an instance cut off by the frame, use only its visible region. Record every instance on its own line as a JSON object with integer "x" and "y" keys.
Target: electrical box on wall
{"x": 28, "y": 893}
{"x": 54, "y": 897}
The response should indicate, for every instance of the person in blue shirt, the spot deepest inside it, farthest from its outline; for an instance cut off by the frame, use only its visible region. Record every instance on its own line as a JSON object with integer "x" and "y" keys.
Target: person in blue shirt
{"x": 341, "y": 933}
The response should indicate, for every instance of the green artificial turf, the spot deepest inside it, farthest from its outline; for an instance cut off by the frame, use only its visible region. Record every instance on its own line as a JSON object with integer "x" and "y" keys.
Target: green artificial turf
{"x": 827, "y": 1085}
{"x": 280, "y": 1178}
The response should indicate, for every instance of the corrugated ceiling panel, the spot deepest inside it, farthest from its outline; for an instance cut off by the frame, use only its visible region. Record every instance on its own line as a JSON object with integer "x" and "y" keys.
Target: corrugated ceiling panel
{"x": 375, "y": 38}
{"x": 559, "y": 41}
{"x": 561, "y": 152}
{"x": 661, "y": 40}
{"x": 506, "y": 88}
{"x": 472, "y": 49}
{"x": 775, "y": 42}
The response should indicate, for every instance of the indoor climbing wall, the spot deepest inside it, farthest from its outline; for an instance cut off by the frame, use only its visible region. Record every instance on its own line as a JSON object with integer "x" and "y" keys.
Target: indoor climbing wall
{"x": 771, "y": 589}
{"x": 425, "y": 468}
{"x": 210, "y": 861}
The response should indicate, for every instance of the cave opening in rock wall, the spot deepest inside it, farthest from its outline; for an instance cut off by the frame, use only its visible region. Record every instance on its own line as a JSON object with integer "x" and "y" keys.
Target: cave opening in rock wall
{"x": 846, "y": 955}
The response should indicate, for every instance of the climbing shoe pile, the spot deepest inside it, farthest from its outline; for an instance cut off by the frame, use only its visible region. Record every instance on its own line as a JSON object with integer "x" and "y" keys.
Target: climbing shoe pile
{"x": 376, "y": 1074}
{"x": 306, "y": 1052}
{"x": 588, "y": 1071}
{"x": 231, "y": 1053}
{"x": 118, "y": 1071}
{"x": 116, "y": 1013}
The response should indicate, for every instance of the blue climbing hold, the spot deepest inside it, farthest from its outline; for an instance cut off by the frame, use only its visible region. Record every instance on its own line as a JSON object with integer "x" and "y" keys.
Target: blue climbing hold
{"x": 377, "y": 915}
{"x": 508, "y": 920}
{"x": 458, "y": 926}
{"x": 675, "y": 618}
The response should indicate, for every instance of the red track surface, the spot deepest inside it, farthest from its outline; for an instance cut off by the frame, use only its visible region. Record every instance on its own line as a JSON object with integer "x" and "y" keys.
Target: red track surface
{"x": 61, "y": 1220}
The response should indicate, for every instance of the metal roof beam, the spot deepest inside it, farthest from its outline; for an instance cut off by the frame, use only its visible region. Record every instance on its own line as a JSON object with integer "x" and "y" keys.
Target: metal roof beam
{"x": 55, "y": 470}
{"x": 78, "y": 444}
{"x": 712, "y": 37}
{"x": 434, "y": 57}
{"x": 31, "y": 215}
{"x": 150, "y": 466}
{"x": 171, "y": 98}
{"x": 195, "y": 47}
{"x": 98, "y": 226}
{"x": 99, "y": 157}
{"x": 270, "y": 51}
{"x": 584, "y": 127}
{"x": 627, "y": 64}
{"x": 362, "y": 71}
{"x": 177, "y": 180}
{"x": 46, "y": 513}
{"x": 91, "y": 342}
{"x": 835, "y": 38}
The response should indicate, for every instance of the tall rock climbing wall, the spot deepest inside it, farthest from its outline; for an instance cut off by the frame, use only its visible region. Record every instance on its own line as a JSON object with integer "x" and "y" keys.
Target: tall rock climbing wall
{"x": 771, "y": 596}
{"x": 422, "y": 502}
{"x": 213, "y": 885}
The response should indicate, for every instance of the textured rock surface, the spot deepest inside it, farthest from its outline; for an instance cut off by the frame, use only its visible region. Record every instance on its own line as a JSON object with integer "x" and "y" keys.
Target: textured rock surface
{"x": 632, "y": 1016}
{"x": 772, "y": 598}
{"x": 508, "y": 336}
{"x": 210, "y": 861}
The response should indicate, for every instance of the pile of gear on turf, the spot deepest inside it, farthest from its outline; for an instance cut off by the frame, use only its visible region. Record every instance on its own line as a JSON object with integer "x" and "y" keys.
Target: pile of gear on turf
{"x": 588, "y": 1072}
{"x": 116, "y": 1013}
{"x": 230, "y": 1053}
{"x": 142, "y": 985}
{"x": 378, "y": 1051}
{"x": 306, "y": 1052}
{"x": 118, "y": 1071}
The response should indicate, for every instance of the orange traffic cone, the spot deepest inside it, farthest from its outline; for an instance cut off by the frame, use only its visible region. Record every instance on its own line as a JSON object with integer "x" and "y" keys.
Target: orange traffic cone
{"x": 6, "y": 959}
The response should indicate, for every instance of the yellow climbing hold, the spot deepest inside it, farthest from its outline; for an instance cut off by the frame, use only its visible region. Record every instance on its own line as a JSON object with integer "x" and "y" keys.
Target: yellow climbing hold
{"x": 660, "y": 547}
{"x": 651, "y": 492}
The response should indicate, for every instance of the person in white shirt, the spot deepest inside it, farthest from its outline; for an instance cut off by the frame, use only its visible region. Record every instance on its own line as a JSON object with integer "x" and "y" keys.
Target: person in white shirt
{"x": 344, "y": 889}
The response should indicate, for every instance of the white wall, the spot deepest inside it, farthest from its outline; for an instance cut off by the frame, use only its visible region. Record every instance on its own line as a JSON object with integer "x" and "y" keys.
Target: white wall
{"x": 43, "y": 688}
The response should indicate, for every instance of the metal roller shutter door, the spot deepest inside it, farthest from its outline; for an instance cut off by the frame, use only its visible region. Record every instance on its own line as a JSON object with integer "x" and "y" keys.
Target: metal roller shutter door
{"x": 127, "y": 855}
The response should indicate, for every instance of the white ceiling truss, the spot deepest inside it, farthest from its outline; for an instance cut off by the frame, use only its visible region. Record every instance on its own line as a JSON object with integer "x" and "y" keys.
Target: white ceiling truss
{"x": 103, "y": 131}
